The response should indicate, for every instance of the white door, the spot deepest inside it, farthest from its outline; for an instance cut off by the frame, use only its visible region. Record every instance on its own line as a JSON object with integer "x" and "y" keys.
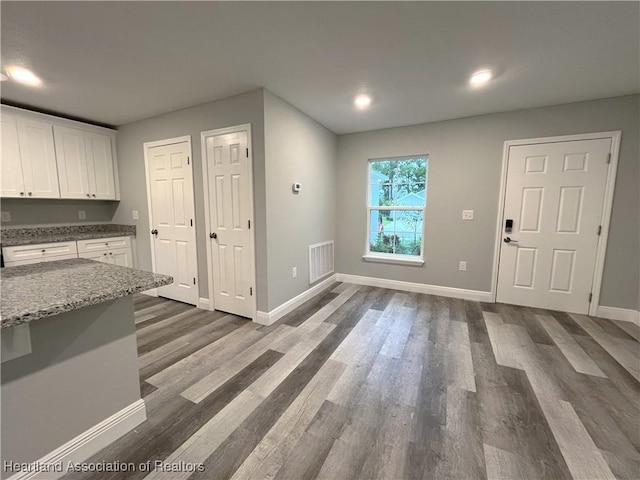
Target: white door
{"x": 230, "y": 208}
{"x": 71, "y": 155}
{"x": 100, "y": 166}
{"x": 170, "y": 179}
{"x": 38, "y": 158}
{"x": 12, "y": 181}
{"x": 554, "y": 198}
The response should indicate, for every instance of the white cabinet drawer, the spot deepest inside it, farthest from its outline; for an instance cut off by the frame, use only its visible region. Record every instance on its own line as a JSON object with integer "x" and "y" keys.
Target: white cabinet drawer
{"x": 40, "y": 260}
{"x": 40, "y": 252}
{"x": 103, "y": 244}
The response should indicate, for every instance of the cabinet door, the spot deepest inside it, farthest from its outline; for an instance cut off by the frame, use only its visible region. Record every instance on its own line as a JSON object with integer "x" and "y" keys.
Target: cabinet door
{"x": 121, "y": 257}
{"x": 38, "y": 158}
{"x": 98, "y": 257}
{"x": 12, "y": 183}
{"x": 71, "y": 157}
{"x": 100, "y": 166}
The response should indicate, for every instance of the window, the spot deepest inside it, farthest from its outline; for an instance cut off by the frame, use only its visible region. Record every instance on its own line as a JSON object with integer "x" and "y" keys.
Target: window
{"x": 397, "y": 193}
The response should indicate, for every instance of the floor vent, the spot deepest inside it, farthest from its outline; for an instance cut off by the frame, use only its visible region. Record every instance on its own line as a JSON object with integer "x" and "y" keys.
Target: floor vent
{"x": 320, "y": 260}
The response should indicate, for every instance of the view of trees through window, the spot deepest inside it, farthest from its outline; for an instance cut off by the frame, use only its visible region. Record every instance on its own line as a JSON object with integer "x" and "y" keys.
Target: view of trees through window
{"x": 400, "y": 185}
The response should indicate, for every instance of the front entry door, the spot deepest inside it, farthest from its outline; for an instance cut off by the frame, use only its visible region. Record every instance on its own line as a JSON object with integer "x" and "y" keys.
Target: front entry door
{"x": 170, "y": 174}
{"x": 553, "y": 203}
{"x": 230, "y": 210}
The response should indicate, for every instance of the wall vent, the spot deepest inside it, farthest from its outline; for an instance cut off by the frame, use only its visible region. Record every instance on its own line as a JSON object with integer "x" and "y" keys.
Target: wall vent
{"x": 320, "y": 260}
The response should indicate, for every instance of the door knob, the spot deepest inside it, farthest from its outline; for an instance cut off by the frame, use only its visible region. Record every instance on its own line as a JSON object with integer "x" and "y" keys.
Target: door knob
{"x": 94, "y": 195}
{"x": 508, "y": 240}
{"x": 154, "y": 231}
{"x": 22, "y": 194}
{"x": 213, "y": 235}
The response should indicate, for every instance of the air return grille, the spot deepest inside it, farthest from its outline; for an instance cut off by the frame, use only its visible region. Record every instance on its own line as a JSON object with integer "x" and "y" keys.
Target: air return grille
{"x": 320, "y": 260}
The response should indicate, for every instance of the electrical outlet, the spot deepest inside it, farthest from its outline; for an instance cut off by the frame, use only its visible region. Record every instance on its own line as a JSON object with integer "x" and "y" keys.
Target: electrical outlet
{"x": 467, "y": 214}
{"x": 294, "y": 272}
{"x": 463, "y": 266}
{"x": 135, "y": 214}
{"x": 82, "y": 215}
{"x": 6, "y": 216}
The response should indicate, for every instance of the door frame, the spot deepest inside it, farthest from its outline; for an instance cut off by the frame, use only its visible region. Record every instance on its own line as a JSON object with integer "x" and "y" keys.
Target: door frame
{"x": 615, "y": 137}
{"x": 146, "y": 146}
{"x": 246, "y": 127}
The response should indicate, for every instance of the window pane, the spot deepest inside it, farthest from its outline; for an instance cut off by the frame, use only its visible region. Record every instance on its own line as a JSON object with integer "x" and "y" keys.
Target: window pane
{"x": 396, "y": 231}
{"x": 399, "y": 182}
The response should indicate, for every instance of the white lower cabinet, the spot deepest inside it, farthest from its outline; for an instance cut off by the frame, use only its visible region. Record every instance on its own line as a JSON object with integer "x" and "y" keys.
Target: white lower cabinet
{"x": 114, "y": 250}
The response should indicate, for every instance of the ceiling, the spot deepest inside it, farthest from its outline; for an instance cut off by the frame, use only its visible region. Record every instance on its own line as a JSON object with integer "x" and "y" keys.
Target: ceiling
{"x": 119, "y": 62}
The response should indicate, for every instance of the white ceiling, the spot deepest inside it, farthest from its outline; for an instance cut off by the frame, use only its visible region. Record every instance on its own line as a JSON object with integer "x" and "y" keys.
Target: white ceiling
{"x": 119, "y": 62}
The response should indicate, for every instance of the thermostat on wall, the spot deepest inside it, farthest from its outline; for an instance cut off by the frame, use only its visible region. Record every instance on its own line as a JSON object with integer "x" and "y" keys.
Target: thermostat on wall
{"x": 296, "y": 187}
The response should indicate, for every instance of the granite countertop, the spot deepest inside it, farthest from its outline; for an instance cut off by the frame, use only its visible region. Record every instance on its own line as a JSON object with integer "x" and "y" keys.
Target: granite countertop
{"x": 32, "y": 292}
{"x": 11, "y": 237}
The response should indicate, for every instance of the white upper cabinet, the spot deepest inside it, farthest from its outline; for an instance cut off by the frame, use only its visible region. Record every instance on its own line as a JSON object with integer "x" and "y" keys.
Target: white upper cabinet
{"x": 71, "y": 155}
{"x": 12, "y": 181}
{"x": 100, "y": 166}
{"x": 28, "y": 158}
{"x": 50, "y": 157}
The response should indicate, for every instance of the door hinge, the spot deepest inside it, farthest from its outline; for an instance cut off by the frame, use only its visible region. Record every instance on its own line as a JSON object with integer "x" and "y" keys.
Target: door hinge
{"x": 251, "y": 291}
{"x": 188, "y": 161}
{"x": 192, "y": 222}
{"x": 599, "y": 229}
{"x": 608, "y": 157}
{"x": 590, "y": 297}
{"x": 194, "y": 280}
{"x": 247, "y": 152}
{"x": 248, "y": 223}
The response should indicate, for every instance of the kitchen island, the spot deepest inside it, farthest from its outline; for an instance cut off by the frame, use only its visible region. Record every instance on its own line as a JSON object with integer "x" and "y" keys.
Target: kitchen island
{"x": 69, "y": 362}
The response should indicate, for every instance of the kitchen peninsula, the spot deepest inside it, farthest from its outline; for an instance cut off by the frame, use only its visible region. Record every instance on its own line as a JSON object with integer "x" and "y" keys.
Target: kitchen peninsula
{"x": 69, "y": 359}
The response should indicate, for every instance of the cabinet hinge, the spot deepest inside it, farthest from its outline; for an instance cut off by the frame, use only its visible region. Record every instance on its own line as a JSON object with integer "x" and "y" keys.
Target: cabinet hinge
{"x": 248, "y": 223}
{"x": 599, "y": 229}
{"x": 247, "y": 152}
{"x": 194, "y": 280}
{"x": 590, "y": 297}
{"x": 188, "y": 160}
{"x": 608, "y": 158}
{"x": 251, "y": 291}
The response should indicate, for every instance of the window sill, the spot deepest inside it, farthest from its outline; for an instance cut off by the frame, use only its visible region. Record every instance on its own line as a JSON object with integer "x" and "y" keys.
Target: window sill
{"x": 396, "y": 260}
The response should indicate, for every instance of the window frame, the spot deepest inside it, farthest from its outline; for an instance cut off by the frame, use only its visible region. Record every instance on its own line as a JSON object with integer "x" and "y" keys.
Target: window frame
{"x": 393, "y": 258}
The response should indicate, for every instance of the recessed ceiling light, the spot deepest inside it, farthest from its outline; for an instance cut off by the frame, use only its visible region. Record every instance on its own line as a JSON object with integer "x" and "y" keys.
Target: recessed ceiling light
{"x": 24, "y": 76}
{"x": 362, "y": 101}
{"x": 481, "y": 77}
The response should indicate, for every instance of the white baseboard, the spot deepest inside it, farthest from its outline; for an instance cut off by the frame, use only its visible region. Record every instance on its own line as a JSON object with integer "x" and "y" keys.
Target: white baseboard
{"x": 267, "y": 318}
{"x": 204, "y": 304}
{"x": 475, "y": 295}
{"x": 615, "y": 313}
{"x": 88, "y": 443}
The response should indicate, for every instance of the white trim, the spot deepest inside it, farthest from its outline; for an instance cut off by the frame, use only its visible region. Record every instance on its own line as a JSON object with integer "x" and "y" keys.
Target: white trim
{"x": 246, "y": 127}
{"x": 475, "y": 295}
{"x": 90, "y": 442}
{"x": 267, "y": 318}
{"x": 204, "y": 304}
{"x": 394, "y": 259}
{"x": 623, "y": 314}
{"x": 146, "y": 146}
{"x": 615, "y": 137}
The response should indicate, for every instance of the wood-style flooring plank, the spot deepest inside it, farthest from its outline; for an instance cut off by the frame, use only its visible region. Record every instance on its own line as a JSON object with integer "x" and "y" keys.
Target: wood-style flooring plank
{"x": 629, "y": 327}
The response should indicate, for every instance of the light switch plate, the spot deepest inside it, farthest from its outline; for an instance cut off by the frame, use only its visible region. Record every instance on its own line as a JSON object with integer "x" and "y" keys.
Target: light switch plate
{"x": 462, "y": 266}
{"x": 82, "y": 215}
{"x": 6, "y": 216}
{"x": 467, "y": 214}
{"x": 294, "y": 272}
{"x": 135, "y": 214}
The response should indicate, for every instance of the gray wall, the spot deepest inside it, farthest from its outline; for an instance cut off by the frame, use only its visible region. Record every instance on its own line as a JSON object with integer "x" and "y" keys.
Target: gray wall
{"x": 82, "y": 370}
{"x": 297, "y": 149}
{"x": 40, "y": 211}
{"x": 240, "y": 109}
{"x": 465, "y": 158}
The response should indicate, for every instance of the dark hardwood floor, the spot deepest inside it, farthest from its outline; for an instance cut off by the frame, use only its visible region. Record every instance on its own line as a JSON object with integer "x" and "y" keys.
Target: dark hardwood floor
{"x": 368, "y": 383}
